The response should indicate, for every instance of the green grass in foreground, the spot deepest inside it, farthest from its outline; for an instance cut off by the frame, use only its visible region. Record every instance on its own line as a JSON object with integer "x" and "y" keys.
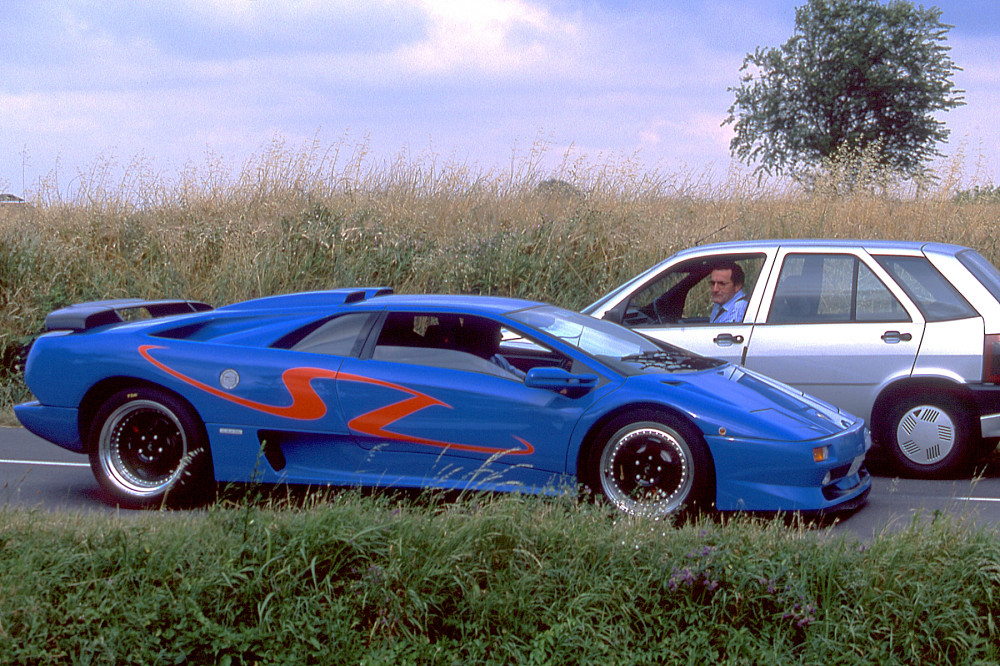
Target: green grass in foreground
{"x": 352, "y": 578}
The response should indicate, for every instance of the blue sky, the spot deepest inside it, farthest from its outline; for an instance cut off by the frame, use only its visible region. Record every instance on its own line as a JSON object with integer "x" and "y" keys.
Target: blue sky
{"x": 177, "y": 84}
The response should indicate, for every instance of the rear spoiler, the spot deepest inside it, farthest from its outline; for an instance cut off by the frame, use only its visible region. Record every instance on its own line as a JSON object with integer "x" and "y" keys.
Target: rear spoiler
{"x": 85, "y": 316}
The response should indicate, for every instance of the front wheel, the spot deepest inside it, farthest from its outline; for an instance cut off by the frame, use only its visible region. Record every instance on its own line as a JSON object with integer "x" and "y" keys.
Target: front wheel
{"x": 651, "y": 465}
{"x": 148, "y": 448}
{"x": 929, "y": 436}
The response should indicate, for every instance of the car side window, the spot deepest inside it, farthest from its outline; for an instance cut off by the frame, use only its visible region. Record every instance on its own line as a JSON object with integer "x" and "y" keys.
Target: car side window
{"x": 455, "y": 342}
{"x": 983, "y": 270}
{"x": 339, "y": 336}
{"x": 651, "y": 305}
{"x": 936, "y": 298}
{"x": 683, "y": 295}
{"x": 831, "y": 288}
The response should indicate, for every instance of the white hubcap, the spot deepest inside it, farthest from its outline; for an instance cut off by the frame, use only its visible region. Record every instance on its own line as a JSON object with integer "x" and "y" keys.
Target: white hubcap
{"x": 926, "y": 434}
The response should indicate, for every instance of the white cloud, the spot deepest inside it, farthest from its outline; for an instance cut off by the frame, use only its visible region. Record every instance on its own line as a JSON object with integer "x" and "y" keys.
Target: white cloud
{"x": 492, "y": 36}
{"x": 476, "y": 78}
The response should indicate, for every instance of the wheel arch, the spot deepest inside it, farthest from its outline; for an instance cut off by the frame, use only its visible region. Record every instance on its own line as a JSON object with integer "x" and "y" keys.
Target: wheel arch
{"x": 590, "y": 440}
{"x": 882, "y": 407}
{"x": 99, "y": 393}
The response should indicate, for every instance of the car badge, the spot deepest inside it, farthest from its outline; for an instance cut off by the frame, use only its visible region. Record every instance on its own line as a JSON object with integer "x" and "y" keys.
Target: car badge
{"x": 229, "y": 379}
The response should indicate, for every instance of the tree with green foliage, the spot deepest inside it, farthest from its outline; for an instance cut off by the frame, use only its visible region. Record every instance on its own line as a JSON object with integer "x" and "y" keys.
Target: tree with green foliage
{"x": 857, "y": 77}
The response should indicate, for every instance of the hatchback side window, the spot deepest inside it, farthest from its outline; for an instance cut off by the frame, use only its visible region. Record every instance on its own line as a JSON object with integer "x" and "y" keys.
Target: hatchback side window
{"x": 683, "y": 295}
{"x": 831, "y": 288}
{"x": 937, "y": 299}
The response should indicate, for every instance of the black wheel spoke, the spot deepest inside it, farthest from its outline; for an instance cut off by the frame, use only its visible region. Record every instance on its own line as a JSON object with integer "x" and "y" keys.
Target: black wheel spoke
{"x": 647, "y": 469}
{"x": 142, "y": 442}
{"x": 142, "y": 445}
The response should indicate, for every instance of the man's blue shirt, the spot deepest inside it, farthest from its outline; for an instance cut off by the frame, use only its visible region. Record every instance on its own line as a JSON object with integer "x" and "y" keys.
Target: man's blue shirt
{"x": 731, "y": 311}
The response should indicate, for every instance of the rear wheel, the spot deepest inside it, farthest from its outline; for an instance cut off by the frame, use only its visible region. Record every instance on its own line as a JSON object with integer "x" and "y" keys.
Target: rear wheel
{"x": 929, "y": 436}
{"x": 651, "y": 465}
{"x": 148, "y": 448}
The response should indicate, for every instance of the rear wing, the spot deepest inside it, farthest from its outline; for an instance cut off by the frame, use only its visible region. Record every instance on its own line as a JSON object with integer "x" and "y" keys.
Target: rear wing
{"x": 85, "y": 316}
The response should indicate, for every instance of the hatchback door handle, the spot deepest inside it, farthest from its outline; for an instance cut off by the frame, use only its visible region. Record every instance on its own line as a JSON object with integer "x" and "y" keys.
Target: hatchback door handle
{"x": 727, "y": 339}
{"x": 892, "y": 337}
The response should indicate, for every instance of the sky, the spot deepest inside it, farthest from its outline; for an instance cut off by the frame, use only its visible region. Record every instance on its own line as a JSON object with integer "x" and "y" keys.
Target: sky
{"x": 171, "y": 85}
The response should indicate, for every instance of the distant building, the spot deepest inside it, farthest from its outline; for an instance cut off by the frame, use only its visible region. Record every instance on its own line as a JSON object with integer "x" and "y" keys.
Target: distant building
{"x": 10, "y": 199}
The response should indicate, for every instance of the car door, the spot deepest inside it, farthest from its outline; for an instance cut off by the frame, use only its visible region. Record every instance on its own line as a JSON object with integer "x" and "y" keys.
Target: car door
{"x": 674, "y": 305}
{"x": 427, "y": 410}
{"x": 833, "y": 324}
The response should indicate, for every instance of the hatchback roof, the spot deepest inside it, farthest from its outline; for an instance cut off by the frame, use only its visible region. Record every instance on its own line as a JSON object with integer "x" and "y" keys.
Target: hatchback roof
{"x": 739, "y": 246}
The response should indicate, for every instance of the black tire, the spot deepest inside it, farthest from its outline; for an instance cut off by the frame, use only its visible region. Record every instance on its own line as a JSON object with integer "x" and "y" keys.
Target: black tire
{"x": 148, "y": 448}
{"x": 929, "y": 436}
{"x": 651, "y": 464}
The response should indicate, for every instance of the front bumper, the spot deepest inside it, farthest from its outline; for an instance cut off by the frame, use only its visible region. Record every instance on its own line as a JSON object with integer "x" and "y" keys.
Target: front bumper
{"x": 759, "y": 475}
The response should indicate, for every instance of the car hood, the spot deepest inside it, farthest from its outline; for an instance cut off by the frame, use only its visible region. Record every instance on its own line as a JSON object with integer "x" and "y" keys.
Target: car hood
{"x": 735, "y": 402}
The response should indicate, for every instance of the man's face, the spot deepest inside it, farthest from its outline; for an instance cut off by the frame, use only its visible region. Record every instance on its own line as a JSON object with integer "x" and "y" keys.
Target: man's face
{"x": 723, "y": 287}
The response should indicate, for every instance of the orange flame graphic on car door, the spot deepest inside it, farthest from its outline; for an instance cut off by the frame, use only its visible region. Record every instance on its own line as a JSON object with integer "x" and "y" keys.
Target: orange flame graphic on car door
{"x": 307, "y": 405}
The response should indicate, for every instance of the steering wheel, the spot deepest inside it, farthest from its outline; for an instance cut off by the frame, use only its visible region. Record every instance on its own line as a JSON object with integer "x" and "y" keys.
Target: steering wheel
{"x": 663, "y": 313}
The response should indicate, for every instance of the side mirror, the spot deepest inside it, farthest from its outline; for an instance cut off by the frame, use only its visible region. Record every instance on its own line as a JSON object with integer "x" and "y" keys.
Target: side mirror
{"x": 617, "y": 313}
{"x": 560, "y": 381}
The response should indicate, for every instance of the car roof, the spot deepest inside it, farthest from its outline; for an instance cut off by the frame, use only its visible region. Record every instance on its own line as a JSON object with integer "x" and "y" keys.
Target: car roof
{"x": 373, "y": 298}
{"x": 484, "y": 304}
{"x": 833, "y": 243}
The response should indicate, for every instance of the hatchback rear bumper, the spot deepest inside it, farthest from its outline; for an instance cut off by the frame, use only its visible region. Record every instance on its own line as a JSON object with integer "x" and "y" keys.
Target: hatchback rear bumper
{"x": 987, "y": 401}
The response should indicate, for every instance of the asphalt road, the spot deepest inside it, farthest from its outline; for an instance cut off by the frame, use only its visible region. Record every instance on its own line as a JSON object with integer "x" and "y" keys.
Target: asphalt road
{"x": 34, "y": 473}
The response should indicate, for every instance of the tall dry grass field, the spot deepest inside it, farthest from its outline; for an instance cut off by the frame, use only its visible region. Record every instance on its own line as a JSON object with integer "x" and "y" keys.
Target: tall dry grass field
{"x": 314, "y": 218}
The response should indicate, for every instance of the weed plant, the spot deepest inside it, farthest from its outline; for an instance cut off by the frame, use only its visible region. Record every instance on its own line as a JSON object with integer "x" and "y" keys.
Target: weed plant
{"x": 348, "y": 578}
{"x": 351, "y": 578}
{"x": 313, "y": 218}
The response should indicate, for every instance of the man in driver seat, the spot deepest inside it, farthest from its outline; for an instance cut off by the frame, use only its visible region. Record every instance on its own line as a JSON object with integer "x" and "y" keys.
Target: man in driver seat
{"x": 729, "y": 303}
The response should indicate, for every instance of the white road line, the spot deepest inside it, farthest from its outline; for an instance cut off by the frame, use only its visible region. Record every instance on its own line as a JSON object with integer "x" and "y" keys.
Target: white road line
{"x": 44, "y": 463}
{"x": 977, "y": 499}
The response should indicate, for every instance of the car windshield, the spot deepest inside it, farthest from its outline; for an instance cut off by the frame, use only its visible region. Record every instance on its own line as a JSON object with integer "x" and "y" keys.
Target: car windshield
{"x": 616, "y": 346}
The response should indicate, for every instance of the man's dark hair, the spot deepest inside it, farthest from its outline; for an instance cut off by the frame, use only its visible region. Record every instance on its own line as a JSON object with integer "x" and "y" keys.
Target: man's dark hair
{"x": 737, "y": 275}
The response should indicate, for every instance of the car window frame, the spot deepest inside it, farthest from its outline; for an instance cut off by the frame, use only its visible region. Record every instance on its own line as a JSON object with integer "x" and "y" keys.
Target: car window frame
{"x": 967, "y": 309}
{"x": 754, "y": 296}
{"x": 767, "y": 301}
{"x": 290, "y": 341}
{"x": 368, "y": 349}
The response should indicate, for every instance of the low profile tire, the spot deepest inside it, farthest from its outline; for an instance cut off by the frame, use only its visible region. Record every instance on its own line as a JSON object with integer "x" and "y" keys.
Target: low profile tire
{"x": 929, "y": 436}
{"x": 148, "y": 448}
{"x": 651, "y": 464}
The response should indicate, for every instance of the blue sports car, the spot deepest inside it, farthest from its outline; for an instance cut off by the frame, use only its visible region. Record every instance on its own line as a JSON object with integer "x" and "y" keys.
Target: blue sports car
{"x": 363, "y": 387}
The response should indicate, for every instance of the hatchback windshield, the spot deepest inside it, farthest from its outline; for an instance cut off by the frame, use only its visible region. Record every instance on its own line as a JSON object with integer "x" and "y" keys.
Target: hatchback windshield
{"x": 626, "y": 351}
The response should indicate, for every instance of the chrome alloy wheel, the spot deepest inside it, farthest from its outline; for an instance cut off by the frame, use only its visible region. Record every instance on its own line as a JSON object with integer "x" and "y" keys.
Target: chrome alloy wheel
{"x": 925, "y": 434}
{"x": 646, "y": 469}
{"x": 141, "y": 446}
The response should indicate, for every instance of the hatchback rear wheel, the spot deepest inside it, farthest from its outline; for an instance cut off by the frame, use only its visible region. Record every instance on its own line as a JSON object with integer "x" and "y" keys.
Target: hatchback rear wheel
{"x": 929, "y": 436}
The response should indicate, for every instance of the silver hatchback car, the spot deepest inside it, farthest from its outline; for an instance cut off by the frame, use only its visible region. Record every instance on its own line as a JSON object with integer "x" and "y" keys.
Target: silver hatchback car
{"x": 905, "y": 334}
